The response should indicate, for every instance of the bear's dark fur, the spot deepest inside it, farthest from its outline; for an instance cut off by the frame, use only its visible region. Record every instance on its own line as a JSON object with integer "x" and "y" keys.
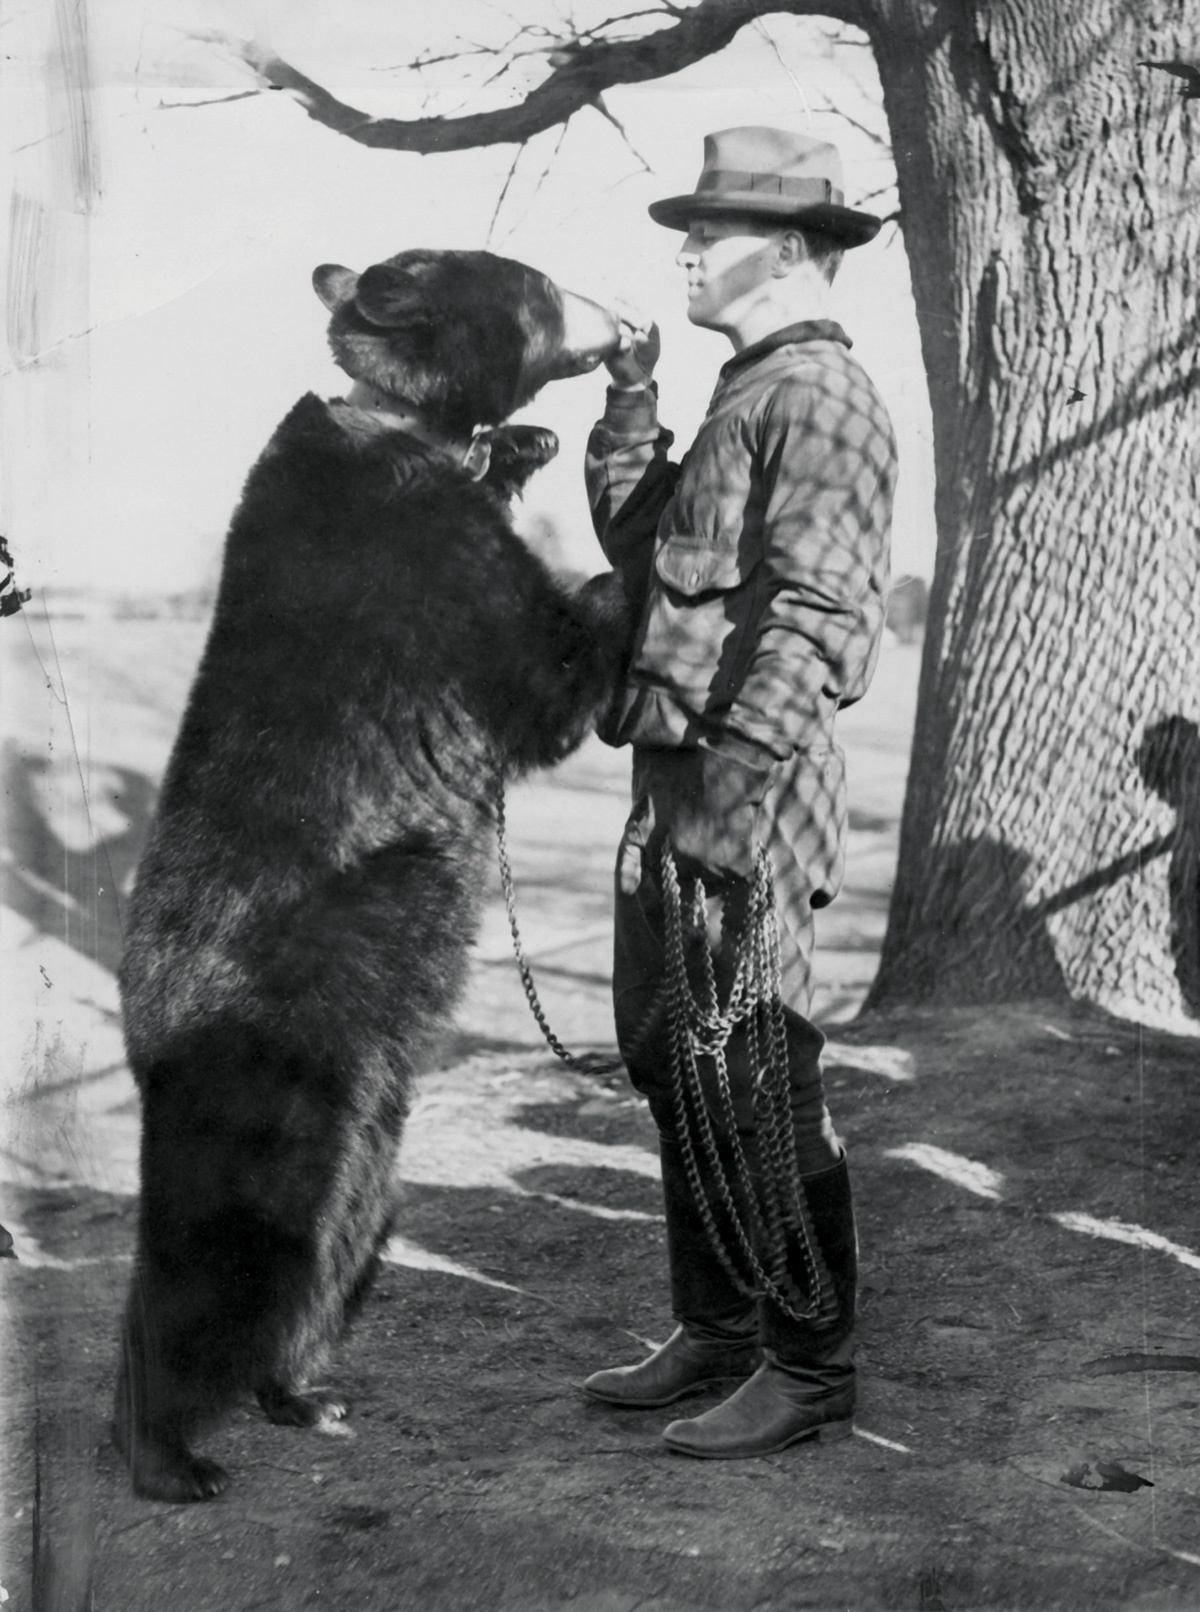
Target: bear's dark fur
{"x": 384, "y": 647}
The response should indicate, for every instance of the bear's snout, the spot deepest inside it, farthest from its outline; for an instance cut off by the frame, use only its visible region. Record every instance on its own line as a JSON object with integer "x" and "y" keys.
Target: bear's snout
{"x": 590, "y": 334}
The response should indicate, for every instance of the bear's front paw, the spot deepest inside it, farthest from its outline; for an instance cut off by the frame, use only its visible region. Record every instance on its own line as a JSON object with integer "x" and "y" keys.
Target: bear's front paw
{"x": 517, "y": 451}
{"x": 606, "y": 605}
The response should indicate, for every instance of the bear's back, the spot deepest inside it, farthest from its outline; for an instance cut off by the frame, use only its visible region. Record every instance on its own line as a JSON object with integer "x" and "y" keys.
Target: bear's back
{"x": 363, "y": 579}
{"x": 336, "y": 706}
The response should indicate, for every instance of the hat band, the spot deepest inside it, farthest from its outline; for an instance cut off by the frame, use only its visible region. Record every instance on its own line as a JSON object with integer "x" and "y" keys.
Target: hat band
{"x": 808, "y": 191}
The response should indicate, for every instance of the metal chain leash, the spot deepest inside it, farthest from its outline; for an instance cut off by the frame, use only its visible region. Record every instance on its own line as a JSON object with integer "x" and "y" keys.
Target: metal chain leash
{"x": 588, "y": 1063}
{"x": 776, "y": 1205}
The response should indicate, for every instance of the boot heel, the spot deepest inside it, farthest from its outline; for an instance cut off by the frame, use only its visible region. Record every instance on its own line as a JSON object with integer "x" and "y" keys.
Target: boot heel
{"x": 831, "y": 1432}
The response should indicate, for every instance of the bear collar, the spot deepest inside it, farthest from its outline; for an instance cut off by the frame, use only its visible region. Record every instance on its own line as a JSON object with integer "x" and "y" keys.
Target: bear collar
{"x": 472, "y": 454}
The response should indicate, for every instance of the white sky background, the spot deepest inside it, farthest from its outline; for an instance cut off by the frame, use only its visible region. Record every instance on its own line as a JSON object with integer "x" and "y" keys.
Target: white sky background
{"x": 125, "y": 448}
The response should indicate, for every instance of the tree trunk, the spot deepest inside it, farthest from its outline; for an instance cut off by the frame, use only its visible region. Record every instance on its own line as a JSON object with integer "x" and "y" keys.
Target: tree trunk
{"x": 1048, "y": 183}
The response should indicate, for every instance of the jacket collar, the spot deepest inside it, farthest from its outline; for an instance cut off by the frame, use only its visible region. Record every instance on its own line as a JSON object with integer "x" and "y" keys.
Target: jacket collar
{"x": 805, "y": 330}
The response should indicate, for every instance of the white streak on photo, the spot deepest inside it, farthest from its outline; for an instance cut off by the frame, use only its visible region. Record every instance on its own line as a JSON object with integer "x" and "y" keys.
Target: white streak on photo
{"x": 1122, "y": 1231}
{"x": 893, "y": 1063}
{"x": 966, "y": 1173}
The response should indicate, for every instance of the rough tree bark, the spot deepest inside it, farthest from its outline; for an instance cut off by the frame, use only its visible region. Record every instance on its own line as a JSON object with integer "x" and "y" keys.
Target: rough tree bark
{"x": 1048, "y": 190}
{"x": 1049, "y": 193}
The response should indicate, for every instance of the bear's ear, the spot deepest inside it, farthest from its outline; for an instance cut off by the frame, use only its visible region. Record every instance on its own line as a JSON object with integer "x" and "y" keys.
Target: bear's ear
{"x": 334, "y": 284}
{"x": 392, "y": 297}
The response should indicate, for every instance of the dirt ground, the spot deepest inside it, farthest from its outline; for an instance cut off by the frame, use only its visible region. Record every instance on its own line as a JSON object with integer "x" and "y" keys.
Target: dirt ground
{"x": 1030, "y": 1333}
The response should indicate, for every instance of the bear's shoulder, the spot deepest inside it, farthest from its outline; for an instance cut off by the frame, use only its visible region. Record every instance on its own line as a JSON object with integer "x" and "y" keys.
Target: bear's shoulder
{"x": 327, "y": 428}
{"x": 370, "y": 523}
{"x": 328, "y": 465}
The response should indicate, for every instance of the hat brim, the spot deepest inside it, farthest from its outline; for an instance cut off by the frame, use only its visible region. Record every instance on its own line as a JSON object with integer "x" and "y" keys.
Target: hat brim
{"x": 852, "y": 228}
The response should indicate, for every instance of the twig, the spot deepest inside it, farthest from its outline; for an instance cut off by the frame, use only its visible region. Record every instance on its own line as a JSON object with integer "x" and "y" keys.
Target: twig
{"x": 598, "y": 103}
{"x": 503, "y": 193}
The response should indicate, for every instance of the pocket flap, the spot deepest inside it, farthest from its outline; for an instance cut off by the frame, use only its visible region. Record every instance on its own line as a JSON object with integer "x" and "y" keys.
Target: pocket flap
{"x": 694, "y": 568}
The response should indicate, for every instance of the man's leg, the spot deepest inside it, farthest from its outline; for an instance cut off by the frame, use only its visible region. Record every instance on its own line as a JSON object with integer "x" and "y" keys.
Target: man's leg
{"x": 716, "y": 1336}
{"x": 805, "y": 1387}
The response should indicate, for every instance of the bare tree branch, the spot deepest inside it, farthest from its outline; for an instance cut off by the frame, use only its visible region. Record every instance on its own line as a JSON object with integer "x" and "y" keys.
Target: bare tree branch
{"x": 582, "y": 68}
{"x": 873, "y": 135}
{"x": 213, "y": 100}
{"x": 606, "y": 111}
{"x": 512, "y": 173}
{"x": 546, "y": 167}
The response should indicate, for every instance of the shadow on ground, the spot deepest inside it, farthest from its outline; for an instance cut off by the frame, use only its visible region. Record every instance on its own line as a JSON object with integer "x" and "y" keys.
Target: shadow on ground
{"x": 996, "y": 1351}
{"x": 71, "y": 888}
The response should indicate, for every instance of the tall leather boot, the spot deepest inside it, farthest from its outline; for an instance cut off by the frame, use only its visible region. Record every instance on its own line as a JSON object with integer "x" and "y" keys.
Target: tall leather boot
{"x": 716, "y": 1340}
{"x": 805, "y": 1387}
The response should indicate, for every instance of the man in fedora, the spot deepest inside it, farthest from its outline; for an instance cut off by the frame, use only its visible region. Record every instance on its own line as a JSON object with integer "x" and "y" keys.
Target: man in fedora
{"x": 759, "y": 568}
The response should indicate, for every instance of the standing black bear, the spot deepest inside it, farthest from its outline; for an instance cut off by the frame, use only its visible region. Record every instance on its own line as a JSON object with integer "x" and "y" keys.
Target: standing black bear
{"x": 383, "y": 648}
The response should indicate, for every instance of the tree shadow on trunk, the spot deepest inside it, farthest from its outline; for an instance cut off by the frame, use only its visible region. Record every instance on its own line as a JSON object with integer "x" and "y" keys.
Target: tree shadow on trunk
{"x": 1169, "y": 761}
{"x": 975, "y": 896}
{"x": 975, "y": 899}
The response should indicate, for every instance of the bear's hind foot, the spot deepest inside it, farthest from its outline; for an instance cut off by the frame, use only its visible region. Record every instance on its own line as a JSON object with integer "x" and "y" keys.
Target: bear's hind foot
{"x": 172, "y": 1473}
{"x": 317, "y": 1408}
{"x": 161, "y": 1467}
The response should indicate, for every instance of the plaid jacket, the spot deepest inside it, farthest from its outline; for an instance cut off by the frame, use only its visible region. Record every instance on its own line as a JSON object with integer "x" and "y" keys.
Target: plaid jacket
{"x": 760, "y": 568}
{"x": 761, "y": 561}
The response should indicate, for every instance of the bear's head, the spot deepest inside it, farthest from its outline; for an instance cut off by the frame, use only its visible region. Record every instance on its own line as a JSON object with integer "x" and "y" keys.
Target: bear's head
{"x": 462, "y": 338}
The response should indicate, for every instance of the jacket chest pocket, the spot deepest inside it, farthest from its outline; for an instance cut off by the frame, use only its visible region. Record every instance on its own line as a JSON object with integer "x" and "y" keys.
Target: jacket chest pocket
{"x": 692, "y": 568}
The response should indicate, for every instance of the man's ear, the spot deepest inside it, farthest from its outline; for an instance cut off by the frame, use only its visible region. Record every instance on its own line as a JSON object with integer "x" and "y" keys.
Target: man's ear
{"x": 334, "y": 284}
{"x": 478, "y": 457}
{"x": 790, "y": 252}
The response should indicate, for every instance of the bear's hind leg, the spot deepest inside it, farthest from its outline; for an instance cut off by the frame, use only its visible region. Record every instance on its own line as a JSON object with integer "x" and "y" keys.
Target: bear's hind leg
{"x": 150, "y": 1428}
{"x": 290, "y": 1404}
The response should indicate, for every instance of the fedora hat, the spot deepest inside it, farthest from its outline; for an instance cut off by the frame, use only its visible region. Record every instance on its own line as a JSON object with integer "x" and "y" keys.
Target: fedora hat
{"x": 770, "y": 174}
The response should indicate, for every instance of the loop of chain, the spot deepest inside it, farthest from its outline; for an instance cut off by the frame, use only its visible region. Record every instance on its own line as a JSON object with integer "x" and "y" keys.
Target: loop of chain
{"x": 776, "y": 1205}
{"x": 692, "y": 1111}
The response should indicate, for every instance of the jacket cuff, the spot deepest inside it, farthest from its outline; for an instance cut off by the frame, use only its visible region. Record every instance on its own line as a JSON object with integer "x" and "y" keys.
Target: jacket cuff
{"x": 631, "y": 413}
{"x": 745, "y": 751}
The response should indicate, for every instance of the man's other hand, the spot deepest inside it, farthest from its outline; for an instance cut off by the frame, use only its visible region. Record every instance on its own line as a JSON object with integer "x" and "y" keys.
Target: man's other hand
{"x": 713, "y": 825}
{"x": 632, "y": 365}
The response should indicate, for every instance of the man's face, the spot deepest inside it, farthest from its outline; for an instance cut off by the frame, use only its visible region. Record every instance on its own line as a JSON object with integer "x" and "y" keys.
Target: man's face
{"x": 730, "y": 264}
